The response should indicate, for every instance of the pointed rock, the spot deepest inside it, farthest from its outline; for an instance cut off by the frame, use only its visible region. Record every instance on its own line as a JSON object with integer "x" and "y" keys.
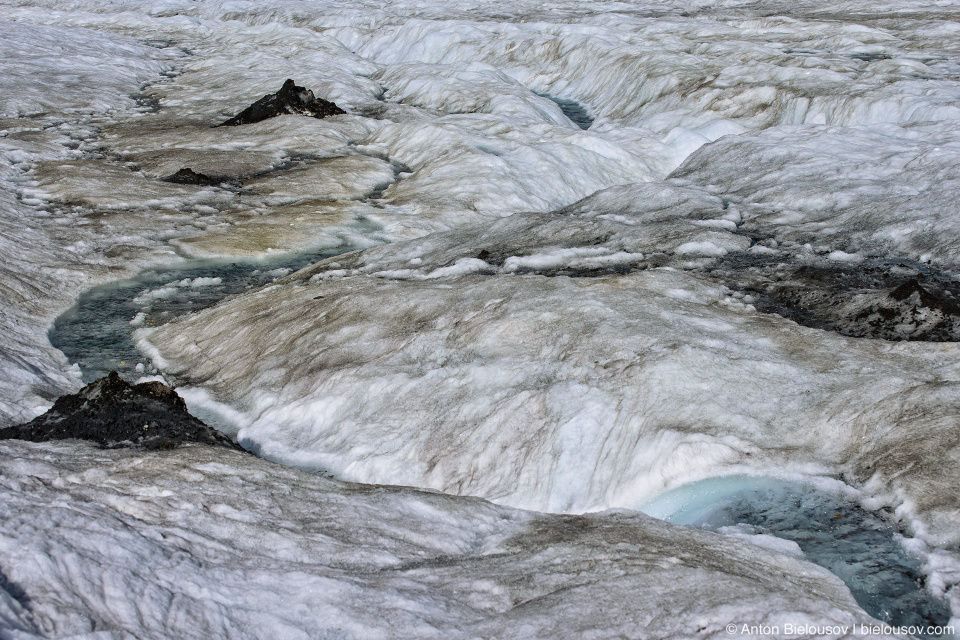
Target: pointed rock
{"x": 114, "y": 414}
{"x": 189, "y": 176}
{"x": 291, "y": 99}
{"x": 925, "y": 297}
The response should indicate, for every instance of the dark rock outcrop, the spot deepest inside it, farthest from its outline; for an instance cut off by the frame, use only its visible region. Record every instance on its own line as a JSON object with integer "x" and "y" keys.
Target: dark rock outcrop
{"x": 189, "y": 176}
{"x": 885, "y": 299}
{"x": 113, "y": 413}
{"x": 291, "y": 99}
{"x": 924, "y": 298}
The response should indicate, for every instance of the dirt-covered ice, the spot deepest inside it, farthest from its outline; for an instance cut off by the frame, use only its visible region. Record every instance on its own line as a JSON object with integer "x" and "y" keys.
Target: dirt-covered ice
{"x": 569, "y": 361}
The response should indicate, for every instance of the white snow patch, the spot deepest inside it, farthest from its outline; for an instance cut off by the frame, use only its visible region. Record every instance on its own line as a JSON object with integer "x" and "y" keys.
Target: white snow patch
{"x": 748, "y": 534}
{"x": 708, "y": 249}
{"x": 200, "y": 282}
{"x": 147, "y": 297}
{"x": 843, "y": 256}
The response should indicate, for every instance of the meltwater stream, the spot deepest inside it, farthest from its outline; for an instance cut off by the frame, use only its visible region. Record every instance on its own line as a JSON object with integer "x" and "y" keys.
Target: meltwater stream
{"x": 827, "y": 528}
{"x": 96, "y": 333}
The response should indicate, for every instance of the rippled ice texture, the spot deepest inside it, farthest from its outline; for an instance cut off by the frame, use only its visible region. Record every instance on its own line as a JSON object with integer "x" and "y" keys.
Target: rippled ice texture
{"x": 560, "y": 341}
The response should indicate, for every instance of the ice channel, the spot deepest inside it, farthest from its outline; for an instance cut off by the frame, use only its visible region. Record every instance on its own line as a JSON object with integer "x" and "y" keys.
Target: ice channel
{"x": 825, "y": 526}
{"x": 96, "y": 332}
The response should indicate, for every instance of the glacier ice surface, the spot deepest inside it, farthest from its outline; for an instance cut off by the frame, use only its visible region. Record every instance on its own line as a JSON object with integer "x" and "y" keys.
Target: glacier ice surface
{"x": 205, "y": 542}
{"x": 551, "y": 327}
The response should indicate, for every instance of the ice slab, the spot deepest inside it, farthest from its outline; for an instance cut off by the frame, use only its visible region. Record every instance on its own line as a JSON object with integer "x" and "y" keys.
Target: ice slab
{"x": 625, "y": 377}
{"x": 221, "y": 543}
{"x": 883, "y": 191}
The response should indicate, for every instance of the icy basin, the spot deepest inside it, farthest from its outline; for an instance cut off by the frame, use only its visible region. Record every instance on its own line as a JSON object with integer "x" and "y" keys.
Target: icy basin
{"x": 828, "y": 528}
{"x": 575, "y": 111}
{"x": 96, "y": 333}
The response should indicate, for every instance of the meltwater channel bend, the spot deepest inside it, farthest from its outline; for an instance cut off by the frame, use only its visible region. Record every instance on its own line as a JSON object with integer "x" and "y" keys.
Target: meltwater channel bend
{"x": 96, "y": 333}
{"x": 825, "y": 527}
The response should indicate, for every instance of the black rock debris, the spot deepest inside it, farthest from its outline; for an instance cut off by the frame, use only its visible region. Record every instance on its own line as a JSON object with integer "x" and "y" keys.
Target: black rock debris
{"x": 114, "y": 413}
{"x": 189, "y": 176}
{"x": 291, "y": 99}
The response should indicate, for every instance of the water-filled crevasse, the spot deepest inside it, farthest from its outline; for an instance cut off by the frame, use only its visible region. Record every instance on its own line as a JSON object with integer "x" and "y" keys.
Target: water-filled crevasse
{"x": 833, "y": 531}
{"x": 96, "y": 333}
{"x": 572, "y": 109}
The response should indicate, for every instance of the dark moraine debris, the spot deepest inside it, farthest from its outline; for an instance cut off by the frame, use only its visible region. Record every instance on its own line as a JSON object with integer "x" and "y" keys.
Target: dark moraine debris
{"x": 291, "y": 99}
{"x": 924, "y": 298}
{"x": 189, "y": 176}
{"x": 890, "y": 300}
{"x": 114, "y": 413}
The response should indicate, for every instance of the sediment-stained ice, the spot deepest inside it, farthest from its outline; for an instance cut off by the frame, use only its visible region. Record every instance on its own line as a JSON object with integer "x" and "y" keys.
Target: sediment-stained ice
{"x": 559, "y": 393}
{"x": 850, "y": 192}
{"x": 508, "y": 361}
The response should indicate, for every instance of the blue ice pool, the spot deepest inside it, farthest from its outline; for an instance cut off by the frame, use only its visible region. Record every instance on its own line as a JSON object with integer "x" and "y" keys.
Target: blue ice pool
{"x": 832, "y": 530}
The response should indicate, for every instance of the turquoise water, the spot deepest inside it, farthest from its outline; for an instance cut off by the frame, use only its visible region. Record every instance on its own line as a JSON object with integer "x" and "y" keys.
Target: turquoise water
{"x": 97, "y": 332}
{"x": 858, "y": 546}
